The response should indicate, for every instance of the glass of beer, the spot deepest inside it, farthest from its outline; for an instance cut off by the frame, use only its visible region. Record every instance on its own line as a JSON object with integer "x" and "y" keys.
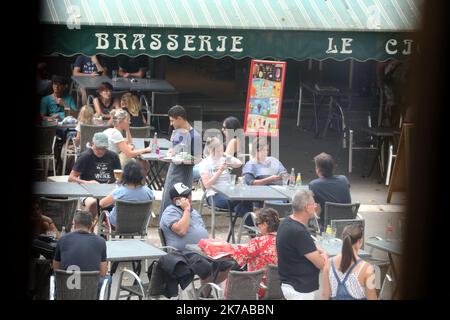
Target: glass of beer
{"x": 118, "y": 175}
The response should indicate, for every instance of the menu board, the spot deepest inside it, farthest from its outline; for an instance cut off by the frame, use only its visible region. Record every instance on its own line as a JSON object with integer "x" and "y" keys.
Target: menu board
{"x": 264, "y": 98}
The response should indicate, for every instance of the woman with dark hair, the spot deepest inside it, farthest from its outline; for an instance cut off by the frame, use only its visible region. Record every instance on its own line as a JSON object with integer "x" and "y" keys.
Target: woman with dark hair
{"x": 105, "y": 102}
{"x": 261, "y": 251}
{"x": 229, "y": 127}
{"x": 132, "y": 188}
{"x": 350, "y": 278}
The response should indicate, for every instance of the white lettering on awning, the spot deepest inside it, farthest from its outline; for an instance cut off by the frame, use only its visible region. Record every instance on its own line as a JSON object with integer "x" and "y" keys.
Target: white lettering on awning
{"x": 156, "y": 43}
{"x": 188, "y": 39}
{"x": 138, "y": 38}
{"x": 389, "y": 43}
{"x": 102, "y": 41}
{"x": 120, "y": 37}
{"x": 172, "y": 42}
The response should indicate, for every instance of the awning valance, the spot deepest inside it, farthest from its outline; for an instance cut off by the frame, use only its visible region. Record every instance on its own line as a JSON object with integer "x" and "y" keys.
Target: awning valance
{"x": 297, "y": 29}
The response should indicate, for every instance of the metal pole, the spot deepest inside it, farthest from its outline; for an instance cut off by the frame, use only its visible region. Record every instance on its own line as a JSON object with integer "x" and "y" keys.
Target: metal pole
{"x": 350, "y": 76}
{"x": 299, "y": 104}
{"x": 350, "y": 150}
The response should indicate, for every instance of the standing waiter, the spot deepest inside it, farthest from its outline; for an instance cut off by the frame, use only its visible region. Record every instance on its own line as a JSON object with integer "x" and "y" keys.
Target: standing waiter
{"x": 184, "y": 138}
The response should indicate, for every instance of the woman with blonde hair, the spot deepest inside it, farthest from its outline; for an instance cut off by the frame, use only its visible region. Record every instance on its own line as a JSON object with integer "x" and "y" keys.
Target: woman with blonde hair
{"x": 117, "y": 143}
{"x": 86, "y": 116}
{"x": 130, "y": 103}
{"x": 214, "y": 172}
{"x": 346, "y": 276}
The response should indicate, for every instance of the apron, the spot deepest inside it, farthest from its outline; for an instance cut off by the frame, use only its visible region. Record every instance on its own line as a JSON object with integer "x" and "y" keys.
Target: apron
{"x": 176, "y": 173}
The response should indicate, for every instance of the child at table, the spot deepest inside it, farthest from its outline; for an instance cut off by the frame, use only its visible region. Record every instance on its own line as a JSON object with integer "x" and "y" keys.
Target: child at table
{"x": 86, "y": 116}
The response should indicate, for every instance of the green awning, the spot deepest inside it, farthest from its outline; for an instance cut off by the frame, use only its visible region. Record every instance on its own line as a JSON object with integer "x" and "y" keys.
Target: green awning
{"x": 278, "y": 29}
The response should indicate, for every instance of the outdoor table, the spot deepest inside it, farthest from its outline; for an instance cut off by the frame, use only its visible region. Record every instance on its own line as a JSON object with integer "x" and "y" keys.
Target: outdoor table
{"x": 123, "y": 84}
{"x": 331, "y": 92}
{"x": 99, "y": 190}
{"x": 245, "y": 192}
{"x": 289, "y": 192}
{"x": 59, "y": 189}
{"x": 391, "y": 247}
{"x": 131, "y": 250}
{"x": 333, "y": 247}
{"x": 157, "y": 162}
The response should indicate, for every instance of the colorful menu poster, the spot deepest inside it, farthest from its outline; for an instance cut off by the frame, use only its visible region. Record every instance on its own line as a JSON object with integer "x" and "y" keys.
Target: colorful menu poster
{"x": 264, "y": 98}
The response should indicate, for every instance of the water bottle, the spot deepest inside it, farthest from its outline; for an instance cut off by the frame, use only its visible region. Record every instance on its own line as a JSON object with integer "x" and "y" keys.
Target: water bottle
{"x": 298, "y": 181}
{"x": 155, "y": 142}
{"x": 292, "y": 178}
{"x": 389, "y": 230}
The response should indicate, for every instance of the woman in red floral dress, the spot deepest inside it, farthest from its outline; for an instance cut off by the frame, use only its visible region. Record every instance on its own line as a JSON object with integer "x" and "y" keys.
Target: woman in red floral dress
{"x": 260, "y": 251}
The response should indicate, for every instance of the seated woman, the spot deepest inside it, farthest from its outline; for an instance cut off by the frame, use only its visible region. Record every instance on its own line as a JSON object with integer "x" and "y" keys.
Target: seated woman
{"x": 261, "y": 251}
{"x": 86, "y": 116}
{"x": 214, "y": 171}
{"x": 132, "y": 188}
{"x": 105, "y": 103}
{"x": 230, "y": 126}
{"x": 117, "y": 143}
{"x": 262, "y": 169}
{"x": 359, "y": 275}
{"x": 130, "y": 103}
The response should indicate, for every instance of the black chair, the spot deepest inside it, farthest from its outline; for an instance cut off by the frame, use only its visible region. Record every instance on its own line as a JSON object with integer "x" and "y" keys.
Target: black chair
{"x": 339, "y": 211}
{"x": 161, "y": 103}
{"x": 45, "y": 148}
{"x": 283, "y": 209}
{"x": 140, "y": 132}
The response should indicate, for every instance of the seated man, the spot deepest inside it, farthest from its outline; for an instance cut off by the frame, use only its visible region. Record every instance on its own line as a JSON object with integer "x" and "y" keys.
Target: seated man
{"x": 95, "y": 165}
{"x": 182, "y": 225}
{"x": 132, "y": 67}
{"x": 81, "y": 249}
{"x": 53, "y": 106}
{"x": 328, "y": 187}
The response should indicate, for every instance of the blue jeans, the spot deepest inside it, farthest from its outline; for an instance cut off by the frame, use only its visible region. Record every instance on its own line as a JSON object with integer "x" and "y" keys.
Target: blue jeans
{"x": 240, "y": 207}
{"x": 108, "y": 288}
{"x": 196, "y": 172}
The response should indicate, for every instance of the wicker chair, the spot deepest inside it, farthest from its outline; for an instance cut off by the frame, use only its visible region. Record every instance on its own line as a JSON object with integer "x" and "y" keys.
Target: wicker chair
{"x": 60, "y": 210}
{"x": 86, "y": 289}
{"x": 242, "y": 285}
{"x": 132, "y": 219}
{"x": 273, "y": 284}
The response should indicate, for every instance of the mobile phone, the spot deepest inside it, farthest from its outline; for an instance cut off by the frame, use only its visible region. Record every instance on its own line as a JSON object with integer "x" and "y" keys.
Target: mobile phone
{"x": 178, "y": 202}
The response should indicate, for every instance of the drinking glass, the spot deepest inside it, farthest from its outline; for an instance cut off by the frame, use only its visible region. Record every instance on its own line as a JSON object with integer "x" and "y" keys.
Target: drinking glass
{"x": 232, "y": 179}
{"x": 114, "y": 75}
{"x": 285, "y": 178}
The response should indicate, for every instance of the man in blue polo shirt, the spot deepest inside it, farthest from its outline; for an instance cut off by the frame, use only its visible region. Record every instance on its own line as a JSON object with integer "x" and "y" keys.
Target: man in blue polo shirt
{"x": 82, "y": 250}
